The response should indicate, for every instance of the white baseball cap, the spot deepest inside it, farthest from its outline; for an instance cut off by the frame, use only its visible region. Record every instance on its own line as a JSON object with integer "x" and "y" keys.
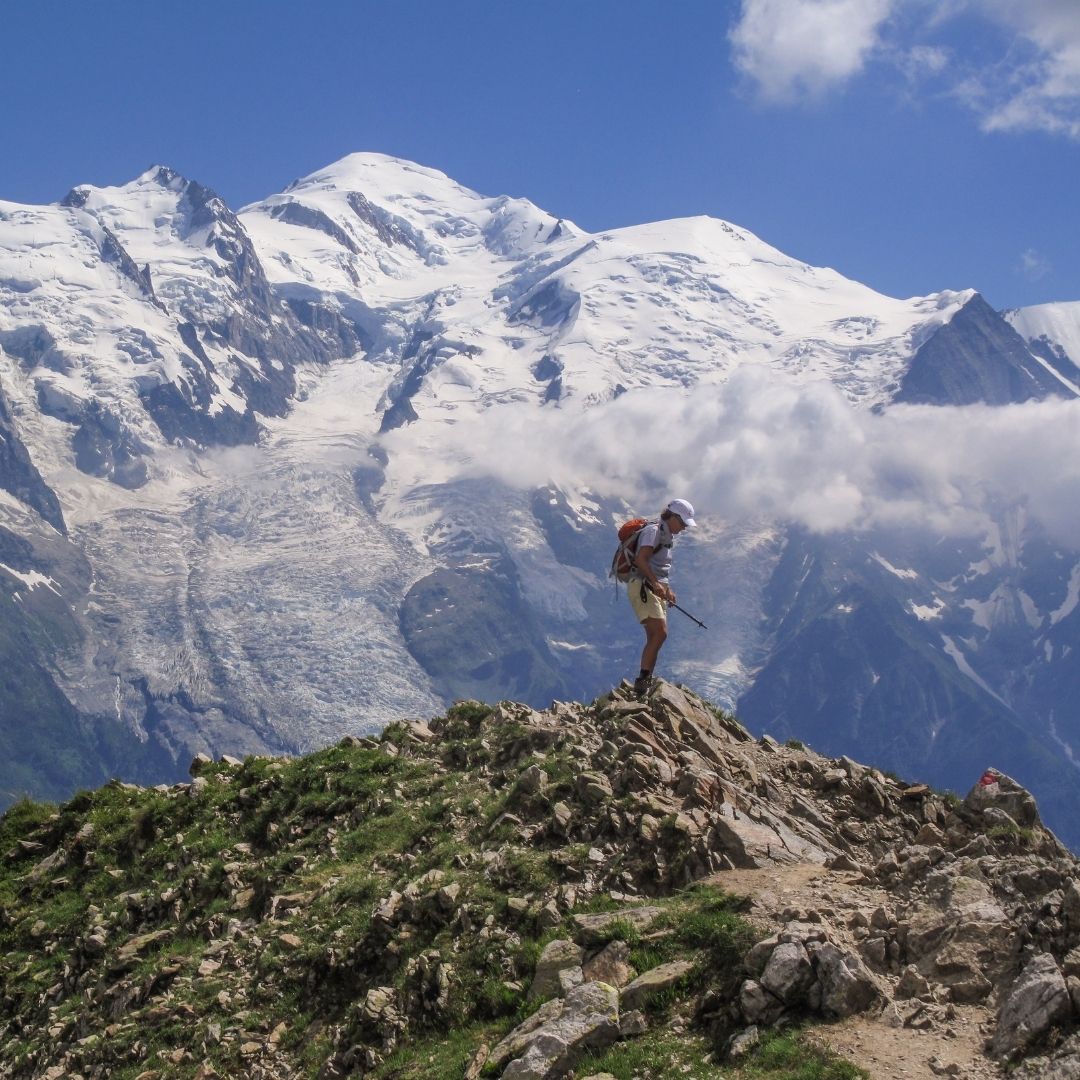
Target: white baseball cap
{"x": 684, "y": 510}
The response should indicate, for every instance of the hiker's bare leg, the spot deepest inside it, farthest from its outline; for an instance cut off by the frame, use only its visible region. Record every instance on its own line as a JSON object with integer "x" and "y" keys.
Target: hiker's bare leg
{"x": 655, "y": 636}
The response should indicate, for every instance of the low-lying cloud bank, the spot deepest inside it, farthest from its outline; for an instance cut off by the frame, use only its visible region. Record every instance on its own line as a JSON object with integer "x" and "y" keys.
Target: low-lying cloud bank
{"x": 762, "y": 446}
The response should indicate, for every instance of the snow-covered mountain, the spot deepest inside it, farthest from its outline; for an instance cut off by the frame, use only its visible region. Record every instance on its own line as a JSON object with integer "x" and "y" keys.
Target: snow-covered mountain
{"x": 1052, "y": 332}
{"x": 273, "y": 475}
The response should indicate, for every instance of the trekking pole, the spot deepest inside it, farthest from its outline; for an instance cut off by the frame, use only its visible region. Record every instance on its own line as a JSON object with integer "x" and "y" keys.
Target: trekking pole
{"x": 689, "y": 616}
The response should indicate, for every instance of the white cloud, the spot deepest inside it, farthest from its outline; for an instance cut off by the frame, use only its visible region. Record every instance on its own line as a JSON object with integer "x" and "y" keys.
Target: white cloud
{"x": 788, "y": 48}
{"x": 762, "y": 446}
{"x": 792, "y": 47}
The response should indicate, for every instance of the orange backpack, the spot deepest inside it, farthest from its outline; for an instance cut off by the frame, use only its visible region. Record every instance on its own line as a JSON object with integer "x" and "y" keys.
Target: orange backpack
{"x": 622, "y": 562}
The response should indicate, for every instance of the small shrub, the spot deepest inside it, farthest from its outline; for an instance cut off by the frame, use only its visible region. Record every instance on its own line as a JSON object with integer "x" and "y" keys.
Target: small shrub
{"x": 464, "y": 718}
{"x": 621, "y": 930}
{"x": 1009, "y": 831}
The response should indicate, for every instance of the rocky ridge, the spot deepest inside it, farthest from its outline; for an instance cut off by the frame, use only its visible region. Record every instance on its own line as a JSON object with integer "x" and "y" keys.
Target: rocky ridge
{"x": 503, "y": 892}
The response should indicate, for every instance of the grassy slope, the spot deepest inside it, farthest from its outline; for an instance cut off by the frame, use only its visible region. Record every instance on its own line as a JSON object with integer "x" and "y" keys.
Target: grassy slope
{"x": 337, "y": 830}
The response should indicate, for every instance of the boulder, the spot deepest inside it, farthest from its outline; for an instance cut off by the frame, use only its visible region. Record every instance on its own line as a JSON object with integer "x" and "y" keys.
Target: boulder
{"x": 138, "y": 946}
{"x": 1038, "y": 1001}
{"x": 610, "y": 965}
{"x": 758, "y": 1006}
{"x": 515, "y": 1044}
{"x": 847, "y": 984}
{"x": 51, "y": 862}
{"x": 558, "y": 970}
{"x": 742, "y": 1043}
{"x": 380, "y": 1019}
{"x": 1062, "y": 1064}
{"x": 1071, "y": 964}
{"x": 788, "y": 974}
{"x": 970, "y": 989}
{"x": 532, "y": 780}
{"x": 912, "y": 984}
{"x": 1070, "y": 903}
{"x": 593, "y": 787}
{"x": 561, "y": 818}
{"x": 588, "y": 1019}
{"x": 199, "y": 762}
{"x": 1001, "y": 792}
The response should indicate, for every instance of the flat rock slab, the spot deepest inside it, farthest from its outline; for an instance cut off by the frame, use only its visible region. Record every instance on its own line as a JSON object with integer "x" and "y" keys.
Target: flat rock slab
{"x": 653, "y": 982}
{"x": 592, "y": 929}
{"x": 752, "y": 844}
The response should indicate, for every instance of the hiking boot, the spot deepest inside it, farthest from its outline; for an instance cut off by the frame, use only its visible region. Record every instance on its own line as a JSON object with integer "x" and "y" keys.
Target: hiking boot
{"x": 642, "y": 685}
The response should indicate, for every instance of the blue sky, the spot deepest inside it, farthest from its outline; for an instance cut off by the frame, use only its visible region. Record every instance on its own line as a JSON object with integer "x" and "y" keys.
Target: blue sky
{"x": 914, "y": 145}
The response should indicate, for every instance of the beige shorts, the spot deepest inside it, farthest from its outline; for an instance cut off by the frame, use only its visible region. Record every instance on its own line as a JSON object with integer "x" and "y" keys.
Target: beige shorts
{"x": 652, "y": 607}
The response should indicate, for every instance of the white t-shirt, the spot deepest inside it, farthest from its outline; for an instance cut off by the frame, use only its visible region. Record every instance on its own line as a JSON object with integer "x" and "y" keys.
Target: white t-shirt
{"x": 658, "y": 536}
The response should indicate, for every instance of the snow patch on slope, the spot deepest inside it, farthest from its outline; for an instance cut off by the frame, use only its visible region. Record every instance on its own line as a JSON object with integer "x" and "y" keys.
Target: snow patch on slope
{"x": 1058, "y": 323}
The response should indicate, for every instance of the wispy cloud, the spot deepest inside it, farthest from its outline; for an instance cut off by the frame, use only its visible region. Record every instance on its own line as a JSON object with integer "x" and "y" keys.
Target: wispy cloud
{"x": 762, "y": 446}
{"x": 1044, "y": 87}
{"x": 789, "y": 48}
{"x": 1034, "y": 266}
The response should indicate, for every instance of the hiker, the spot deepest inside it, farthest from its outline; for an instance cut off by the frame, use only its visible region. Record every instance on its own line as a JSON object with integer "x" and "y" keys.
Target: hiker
{"x": 648, "y": 587}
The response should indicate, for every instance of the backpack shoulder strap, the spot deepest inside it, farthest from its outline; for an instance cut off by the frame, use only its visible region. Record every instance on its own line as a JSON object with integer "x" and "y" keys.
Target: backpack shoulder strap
{"x": 657, "y": 546}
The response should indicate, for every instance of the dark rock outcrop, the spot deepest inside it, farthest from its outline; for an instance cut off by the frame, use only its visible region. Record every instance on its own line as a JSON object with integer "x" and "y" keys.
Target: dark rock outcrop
{"x": 20, "y": 477}
{"x": 975, "y": 357}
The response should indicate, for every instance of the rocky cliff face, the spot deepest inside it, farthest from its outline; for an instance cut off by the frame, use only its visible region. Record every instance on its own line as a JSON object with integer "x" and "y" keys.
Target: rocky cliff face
{"x": 951, "y": 367}
{"x": 506, "y": 892}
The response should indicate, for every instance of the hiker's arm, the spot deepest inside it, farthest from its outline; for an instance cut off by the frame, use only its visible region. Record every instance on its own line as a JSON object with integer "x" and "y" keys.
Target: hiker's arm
{"x": 642, "y": 563}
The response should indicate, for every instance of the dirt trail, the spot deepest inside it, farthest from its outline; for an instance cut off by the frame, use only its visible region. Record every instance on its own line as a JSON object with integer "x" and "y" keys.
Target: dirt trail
{"x": 886, "y": 1052}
